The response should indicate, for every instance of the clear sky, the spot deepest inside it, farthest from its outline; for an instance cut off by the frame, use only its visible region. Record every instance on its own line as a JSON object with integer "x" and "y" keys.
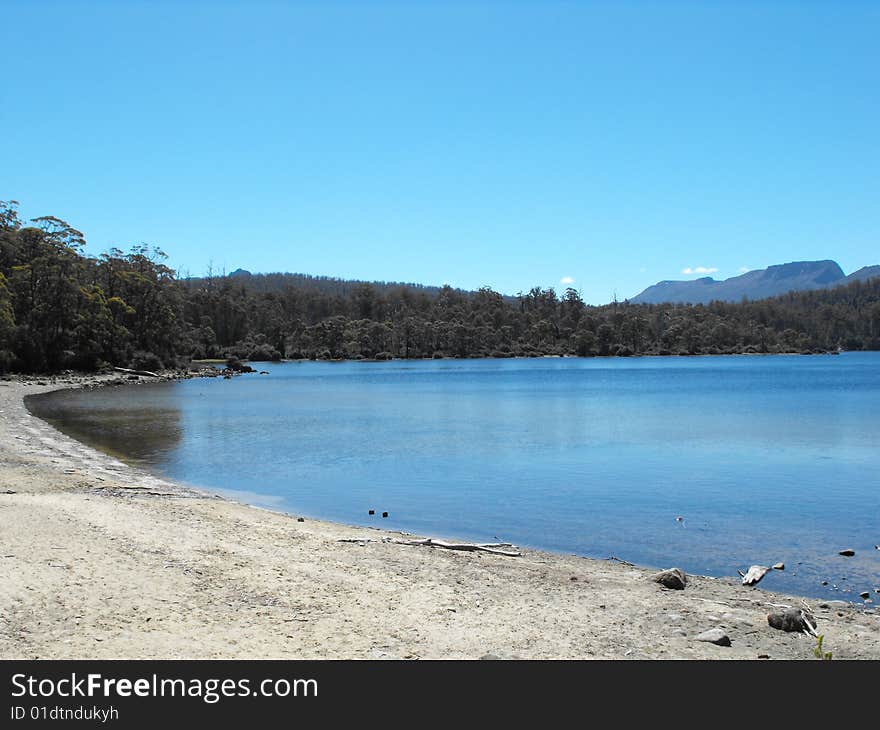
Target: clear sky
{"x": 509, "y": 144}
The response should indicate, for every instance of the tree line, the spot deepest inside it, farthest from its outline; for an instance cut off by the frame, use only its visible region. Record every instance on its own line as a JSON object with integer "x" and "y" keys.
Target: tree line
{"x": 61, "y": 309}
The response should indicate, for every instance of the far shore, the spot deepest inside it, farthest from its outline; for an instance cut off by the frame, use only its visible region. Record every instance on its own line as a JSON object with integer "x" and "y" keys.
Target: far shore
{"x": 99, "y": 559}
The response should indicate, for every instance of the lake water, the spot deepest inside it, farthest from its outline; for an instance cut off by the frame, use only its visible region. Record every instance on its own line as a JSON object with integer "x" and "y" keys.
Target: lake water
{"x": 766, "y": 458}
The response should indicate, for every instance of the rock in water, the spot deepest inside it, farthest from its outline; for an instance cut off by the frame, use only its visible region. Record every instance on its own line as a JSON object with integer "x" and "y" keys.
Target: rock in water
{"x": 848, "y": 553}
{"x": 793, "y": 619}
{"x": 865, "y": 595}
{"x": 753, "y": 577}
{"x": 714, "y": 636}
{"x": 779, "y": 566}
{"x": 673, "y": 578}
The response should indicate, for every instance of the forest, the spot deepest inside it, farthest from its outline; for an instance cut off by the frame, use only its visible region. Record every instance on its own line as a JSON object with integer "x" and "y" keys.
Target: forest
{"x": 62, "y": 309}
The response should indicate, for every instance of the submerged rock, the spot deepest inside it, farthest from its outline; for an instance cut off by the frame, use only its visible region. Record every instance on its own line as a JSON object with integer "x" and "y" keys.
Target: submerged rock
{"x": 673, "y": 578}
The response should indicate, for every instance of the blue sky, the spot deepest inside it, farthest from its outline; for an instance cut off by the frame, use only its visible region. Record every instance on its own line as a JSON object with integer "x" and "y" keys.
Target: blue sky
{"x": 509, "y": 144}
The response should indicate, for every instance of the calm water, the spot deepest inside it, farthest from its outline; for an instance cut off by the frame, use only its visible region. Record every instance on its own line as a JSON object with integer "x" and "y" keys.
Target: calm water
{"x": 767, "y": 458}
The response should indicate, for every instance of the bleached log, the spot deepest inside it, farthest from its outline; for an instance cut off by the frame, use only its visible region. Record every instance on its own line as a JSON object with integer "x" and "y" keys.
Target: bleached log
{"x": 146, "y": 373}
{"x": 753, "y": 577}
{"x": 487, "y": 547}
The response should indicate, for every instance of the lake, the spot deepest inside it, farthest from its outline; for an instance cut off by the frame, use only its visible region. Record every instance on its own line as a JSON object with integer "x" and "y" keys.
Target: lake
{"x": 766, "y": 459}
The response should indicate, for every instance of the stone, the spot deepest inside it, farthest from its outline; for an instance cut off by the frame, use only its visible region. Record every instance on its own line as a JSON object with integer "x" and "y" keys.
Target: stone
{"x": 779, "y": 566}
{"x": 792, "y": 619}
{"x": 865, "y": 595}
{"x": 848, "y": 553}
{"x": 300, "y": 519}
{"x": 714, "y": 636}
{"x": 673, "y": 578}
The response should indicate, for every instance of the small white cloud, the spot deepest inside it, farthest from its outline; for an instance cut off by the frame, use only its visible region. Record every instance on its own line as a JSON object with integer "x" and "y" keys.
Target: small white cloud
{"x": 567, "y": 280}
{"x": 699, "y": 270}
{"x": 743, "y": 269}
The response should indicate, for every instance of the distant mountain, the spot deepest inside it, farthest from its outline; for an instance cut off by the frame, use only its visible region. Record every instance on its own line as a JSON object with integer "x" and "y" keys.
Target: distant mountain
{"x": 758, "y": 284}
{"x": 863, "y": 274}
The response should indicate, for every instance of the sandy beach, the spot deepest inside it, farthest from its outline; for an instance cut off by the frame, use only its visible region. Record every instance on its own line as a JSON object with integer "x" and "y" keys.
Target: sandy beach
{"x": 101, "y": 560}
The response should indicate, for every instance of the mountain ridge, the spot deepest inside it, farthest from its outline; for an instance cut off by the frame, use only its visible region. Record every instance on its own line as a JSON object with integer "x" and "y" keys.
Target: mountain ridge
{"x": 757, "y": 284}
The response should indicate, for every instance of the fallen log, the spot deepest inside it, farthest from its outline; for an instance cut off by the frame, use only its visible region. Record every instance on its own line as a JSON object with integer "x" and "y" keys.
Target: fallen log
{"x": 486, "y": 547}
{"x": 146, "y": 373}
{"x": 753, "y": 577}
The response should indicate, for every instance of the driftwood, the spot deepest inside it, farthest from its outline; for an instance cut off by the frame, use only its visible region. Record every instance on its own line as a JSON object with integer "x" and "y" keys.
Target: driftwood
{"x": 146, "y": 373}
{"x": 485, "y": 547}
{"x": 756, "y": 572}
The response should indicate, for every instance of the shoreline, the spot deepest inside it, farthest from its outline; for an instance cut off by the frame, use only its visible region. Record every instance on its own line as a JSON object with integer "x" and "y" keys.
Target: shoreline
{"x": 100, "y": 559}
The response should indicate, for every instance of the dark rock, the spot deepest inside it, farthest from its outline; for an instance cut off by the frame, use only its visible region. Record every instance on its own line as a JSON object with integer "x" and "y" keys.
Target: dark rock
{"x": 490, "y": 657}
{"x": 384, "y": 514}
{"x": 300, "y": 519}
{"x": 865, "y": 594}
{"x": 848, "y": 553}
{"x": 371, "y": 512}
{"x": 673, "y": 578}
{"x": 792, "y": 619}
{"x": 9, "y": 491}
{"x": 714, "y": 636}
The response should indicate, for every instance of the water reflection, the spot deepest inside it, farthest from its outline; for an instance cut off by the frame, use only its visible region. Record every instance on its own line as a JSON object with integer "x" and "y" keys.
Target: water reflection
{"x": 141, "y": 428}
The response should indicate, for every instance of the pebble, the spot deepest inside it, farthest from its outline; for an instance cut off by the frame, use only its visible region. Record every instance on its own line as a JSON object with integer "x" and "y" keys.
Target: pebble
{"x": 300, "y": 519}
{"x": 848, "y": 553}
{"x": 865, "y": 595}
{"x": 714, "y": 636}
{"x": 779, "y": 566}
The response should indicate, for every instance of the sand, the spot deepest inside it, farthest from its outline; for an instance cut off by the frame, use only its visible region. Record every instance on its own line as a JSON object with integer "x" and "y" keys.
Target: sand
{"x": 101, "y": 560}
